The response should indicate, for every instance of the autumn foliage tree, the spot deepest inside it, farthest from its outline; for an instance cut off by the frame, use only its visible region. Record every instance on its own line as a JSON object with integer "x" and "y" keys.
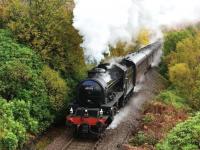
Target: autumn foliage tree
{"x": 143, "y": 37}
{"x": 46, "y": 25}
{"x": 182, "y": 53}
{"x": 123, "y": 48}
{"x": 181, "y": 76}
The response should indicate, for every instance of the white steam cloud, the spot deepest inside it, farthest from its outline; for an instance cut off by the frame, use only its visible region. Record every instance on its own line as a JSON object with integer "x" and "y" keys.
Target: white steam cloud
{"x": 103, "y": 23}
{"x": 119, "y": 117}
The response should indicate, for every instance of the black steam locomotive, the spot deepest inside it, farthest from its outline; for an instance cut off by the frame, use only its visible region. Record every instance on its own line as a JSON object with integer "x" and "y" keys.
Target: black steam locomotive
{"x": 107, "y": 89}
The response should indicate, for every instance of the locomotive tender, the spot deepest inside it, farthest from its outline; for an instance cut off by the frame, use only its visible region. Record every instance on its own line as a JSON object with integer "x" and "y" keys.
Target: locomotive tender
{"x": 107, "y": 89}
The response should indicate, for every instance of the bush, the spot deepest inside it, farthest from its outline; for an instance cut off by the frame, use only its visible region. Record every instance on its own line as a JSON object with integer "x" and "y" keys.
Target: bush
{"x": 2, "y": 13}
{"x": 15, "y": 77}
{"x": 10, "y": 141}
{"x": 21, "y": 113}
{"x": 147, "y": 118}
{"x": 142, "y": 138}
{"x": 185, "y": 136}
{"x": 13, "y": 133}
{"x": 171, "y": 98}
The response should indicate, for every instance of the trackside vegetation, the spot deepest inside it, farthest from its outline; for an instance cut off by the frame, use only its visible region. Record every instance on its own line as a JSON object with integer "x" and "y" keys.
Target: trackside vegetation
{"x": 172, "y": 120}
{"x": 181, "y": 61}
{"x": 185, "y": 136}
{"x": 40, "y": 64}
{"x": 29, "y": 96}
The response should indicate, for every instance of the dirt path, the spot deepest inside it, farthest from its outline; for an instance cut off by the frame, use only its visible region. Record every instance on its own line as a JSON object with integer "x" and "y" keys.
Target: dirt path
{"x": 125, "y": 123}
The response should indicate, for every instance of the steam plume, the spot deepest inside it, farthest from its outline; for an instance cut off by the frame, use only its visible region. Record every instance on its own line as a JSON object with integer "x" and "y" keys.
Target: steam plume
{"x": 103, "y": 23}
{"x": 157, "y": 59}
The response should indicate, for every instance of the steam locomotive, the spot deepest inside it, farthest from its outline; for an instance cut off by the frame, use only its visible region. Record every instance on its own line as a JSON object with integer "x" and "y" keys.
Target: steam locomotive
{"x": 107, "y": 89}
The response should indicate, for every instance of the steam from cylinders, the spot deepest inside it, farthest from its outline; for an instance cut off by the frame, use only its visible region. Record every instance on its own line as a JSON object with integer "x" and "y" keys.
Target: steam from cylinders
{"x": 104, "y": 23}
{"x": 119, "y": 117}
{"x": 134, "y": 105}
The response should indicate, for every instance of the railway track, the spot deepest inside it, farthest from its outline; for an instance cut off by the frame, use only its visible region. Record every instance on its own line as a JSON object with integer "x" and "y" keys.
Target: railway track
{"x": 82, "y": 143}
{"x": 66, "y": 141}
{"x": 79, "y": 144}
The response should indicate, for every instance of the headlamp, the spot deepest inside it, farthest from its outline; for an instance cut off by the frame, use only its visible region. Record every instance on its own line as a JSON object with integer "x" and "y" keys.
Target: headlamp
{"x": 101, "y": 112}
{"x": 71, "y": 110}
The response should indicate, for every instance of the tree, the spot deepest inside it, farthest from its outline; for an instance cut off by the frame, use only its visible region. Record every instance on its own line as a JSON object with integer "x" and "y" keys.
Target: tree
{"x": 173, "y": 37}
{"x": 46, "y": 25}
{"x": 180, "y": 76}
{"x": 183, "y": 65}
{"x": 57, "y": 88}
{"x": 143, "y": 37}
{"x": 31, "y": 94}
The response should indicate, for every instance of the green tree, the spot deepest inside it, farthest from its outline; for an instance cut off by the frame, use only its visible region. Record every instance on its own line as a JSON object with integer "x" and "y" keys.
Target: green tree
{"x": 171, "y": 40}
{"x": 57, "y": 88}
{"x": 173, "y": 37}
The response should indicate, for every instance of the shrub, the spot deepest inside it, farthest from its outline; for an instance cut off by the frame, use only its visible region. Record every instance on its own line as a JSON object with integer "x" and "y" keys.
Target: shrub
{"x": 20, "y": 78}
{"x": 14, "y": 77}
{"x": 142, "y": 138}
{"x": 185, "y": 136}
{"x": 10, "y": 141}
{"x": 13, "y": 133}
{"x": 21, "y": 113}
{"x": 147, "y": 118}
{"x": 170, "y": 97}
{"x": 3, "y": 15}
